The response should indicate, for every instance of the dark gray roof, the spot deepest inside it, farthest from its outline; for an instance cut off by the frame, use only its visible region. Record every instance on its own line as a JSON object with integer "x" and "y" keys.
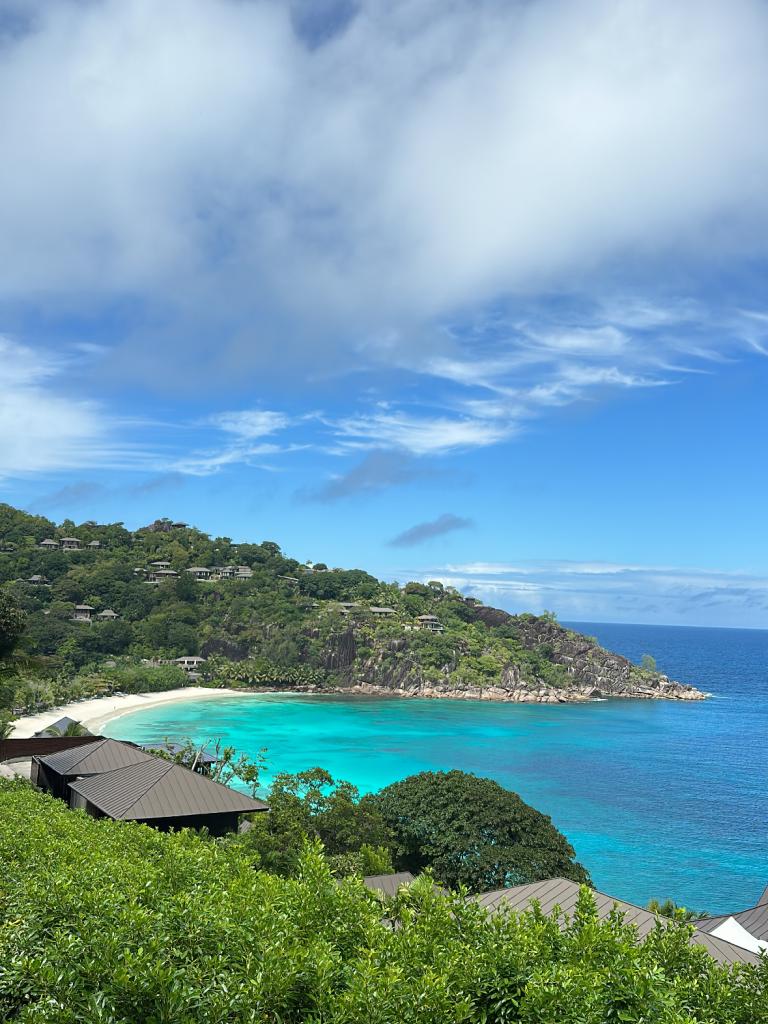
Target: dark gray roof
{"x": 388, "y": 885}
{"x": 764, "y": 898}
{"x": 160, "y": 789}
{"x": 754, "y": 920}
{"x": 61, "y": 726}
{"x": 563, "y": 893}
{"x": 103, "y": 755}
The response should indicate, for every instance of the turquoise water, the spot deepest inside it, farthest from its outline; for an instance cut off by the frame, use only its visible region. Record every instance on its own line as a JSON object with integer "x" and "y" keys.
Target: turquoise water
{"x": 659, "y": 798}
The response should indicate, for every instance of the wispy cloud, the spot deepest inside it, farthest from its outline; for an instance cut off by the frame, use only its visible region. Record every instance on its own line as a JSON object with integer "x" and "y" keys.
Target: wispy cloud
{"x": 244, "y": 430}
{"x": 606, "y": 591}
{"x": 44, "y": 429}
{"x": 422, "y": 532}
{"x": 73, "y": 495}
{"x": 420, "y": 435}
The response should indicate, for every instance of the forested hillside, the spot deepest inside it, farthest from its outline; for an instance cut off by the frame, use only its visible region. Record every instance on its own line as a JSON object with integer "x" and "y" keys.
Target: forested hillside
{"x": 259, "y": 616}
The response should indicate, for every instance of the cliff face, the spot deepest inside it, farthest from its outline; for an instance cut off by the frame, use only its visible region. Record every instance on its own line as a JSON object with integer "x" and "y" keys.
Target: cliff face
{"x": 595, "y": 669}
{"x": 591, "y": 672}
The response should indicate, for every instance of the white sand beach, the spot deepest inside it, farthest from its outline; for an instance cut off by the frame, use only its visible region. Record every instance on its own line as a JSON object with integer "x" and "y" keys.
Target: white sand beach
{"x": 94, "y": 714}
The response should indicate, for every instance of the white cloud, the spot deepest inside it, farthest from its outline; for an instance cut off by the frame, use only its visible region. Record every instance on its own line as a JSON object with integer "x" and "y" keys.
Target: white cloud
{"x": 428, "y": 158}
{"x": 42, "y": 430}
{"x": 243, "y": 429}
{"x": 606, "y": 591}
{"x": 409, "y": 192}
{"x": 250, "y": 423}
{"x": 424, "y": 435}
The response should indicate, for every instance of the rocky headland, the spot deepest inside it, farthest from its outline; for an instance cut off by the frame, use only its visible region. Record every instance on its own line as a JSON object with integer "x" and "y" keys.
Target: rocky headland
{"x": 591, "y": 672}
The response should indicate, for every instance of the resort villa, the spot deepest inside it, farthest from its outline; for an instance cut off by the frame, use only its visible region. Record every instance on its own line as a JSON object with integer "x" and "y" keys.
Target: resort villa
{"x": 111, "y": 779}
{"x": 730, "y": 939}
{"x": 83, "y": 613}
{"x": 199, "y": 572}
{"x": 190, "y": 662}
{"x": 67, "y": 544}
{"x": 158, "y": 575}
{"x": 727, "y": 946}
{"x": 430, "y": 622}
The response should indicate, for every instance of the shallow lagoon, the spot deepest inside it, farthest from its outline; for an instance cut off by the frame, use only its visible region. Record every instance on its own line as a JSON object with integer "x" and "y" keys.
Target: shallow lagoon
{"x": 660, "y": 799}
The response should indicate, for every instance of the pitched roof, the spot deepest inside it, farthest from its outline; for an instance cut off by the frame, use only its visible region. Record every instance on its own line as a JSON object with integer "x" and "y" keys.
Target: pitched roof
{"x": 754, "y": 920}
{"x": 61, "y": 726}
{"x": 161, "y": 789}
{"x": 103, "y": 755}
{"x": 388, "y": 885}
{"x": 563, "y": 893}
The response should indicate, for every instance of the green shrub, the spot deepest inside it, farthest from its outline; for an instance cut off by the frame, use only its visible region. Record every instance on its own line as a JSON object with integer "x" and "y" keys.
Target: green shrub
{"x": 118, "y": 924}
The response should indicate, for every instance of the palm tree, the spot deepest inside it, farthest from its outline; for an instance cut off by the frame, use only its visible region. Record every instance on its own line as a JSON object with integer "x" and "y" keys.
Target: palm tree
{"x": 72, "y": 729}
{"x": 670, "y": 909}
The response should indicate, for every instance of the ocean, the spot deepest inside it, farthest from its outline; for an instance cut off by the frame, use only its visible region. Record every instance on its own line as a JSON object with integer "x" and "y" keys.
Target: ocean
{"x": 660, "y": 799}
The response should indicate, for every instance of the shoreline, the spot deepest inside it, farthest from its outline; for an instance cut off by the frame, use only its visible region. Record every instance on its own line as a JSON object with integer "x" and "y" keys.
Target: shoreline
{"x": 95, "y": 713}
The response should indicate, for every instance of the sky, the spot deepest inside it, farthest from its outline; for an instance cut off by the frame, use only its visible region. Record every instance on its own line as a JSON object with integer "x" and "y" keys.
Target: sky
{"x": 470, "y": 290}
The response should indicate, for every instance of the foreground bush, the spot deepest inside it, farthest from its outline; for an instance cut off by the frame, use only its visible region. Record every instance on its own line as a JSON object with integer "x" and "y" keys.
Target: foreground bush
{"x": 105, "y": 922}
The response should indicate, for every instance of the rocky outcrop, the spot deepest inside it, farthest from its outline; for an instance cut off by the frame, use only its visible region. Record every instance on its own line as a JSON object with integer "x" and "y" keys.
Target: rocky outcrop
{"x": 592, "y": 667}
{"x": 594, "y": 673}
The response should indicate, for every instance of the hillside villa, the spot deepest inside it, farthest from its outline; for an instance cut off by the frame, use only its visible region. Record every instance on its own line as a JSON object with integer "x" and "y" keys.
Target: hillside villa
{"x": 108, "y": 778}
{"x": 430, "y": 622}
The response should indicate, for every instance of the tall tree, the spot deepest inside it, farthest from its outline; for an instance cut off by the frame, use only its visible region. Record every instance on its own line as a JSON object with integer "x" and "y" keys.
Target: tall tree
{"x": 472, "y": 832}
{"x": 12, "y": 621}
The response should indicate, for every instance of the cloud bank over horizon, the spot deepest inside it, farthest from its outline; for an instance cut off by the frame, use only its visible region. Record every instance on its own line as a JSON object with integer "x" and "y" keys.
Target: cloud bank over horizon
{"x": 606, "y": 592}
{"x": 363, "y": 254}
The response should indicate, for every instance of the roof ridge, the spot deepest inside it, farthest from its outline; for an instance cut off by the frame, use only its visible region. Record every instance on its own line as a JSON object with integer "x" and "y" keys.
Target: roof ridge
{"x": 90, "y": 748}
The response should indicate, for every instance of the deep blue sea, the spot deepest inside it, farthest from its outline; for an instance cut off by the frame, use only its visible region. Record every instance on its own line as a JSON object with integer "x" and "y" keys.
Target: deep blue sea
{"x": 660, "y": 799}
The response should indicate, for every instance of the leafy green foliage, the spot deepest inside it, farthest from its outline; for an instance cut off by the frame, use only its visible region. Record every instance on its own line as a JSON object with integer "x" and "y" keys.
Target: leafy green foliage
{"x": 668, "y": 908}
{"x": 472, "y": 832}
{"x": 118, "y": 924}
{"x": 229, "y": 768}
{"x": 313, "y": 805}
{"x": 12, "y": 622}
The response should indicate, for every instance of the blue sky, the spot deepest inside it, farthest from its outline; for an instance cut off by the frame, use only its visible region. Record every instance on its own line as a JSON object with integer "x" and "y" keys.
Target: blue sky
{"x": 468, "y": 291}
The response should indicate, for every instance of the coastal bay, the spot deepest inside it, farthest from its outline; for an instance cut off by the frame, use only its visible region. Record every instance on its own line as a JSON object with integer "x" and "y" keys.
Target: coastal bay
{"x": 641, "y": 788}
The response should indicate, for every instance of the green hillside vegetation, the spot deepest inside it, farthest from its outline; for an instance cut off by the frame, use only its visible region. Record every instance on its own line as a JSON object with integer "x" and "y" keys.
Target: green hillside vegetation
{"x": 118, "y": 924}
{"x": 262, "y": 630}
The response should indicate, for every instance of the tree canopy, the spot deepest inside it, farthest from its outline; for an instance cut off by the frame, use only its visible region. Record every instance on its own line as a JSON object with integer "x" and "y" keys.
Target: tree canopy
{"x": 472, "y": 832}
